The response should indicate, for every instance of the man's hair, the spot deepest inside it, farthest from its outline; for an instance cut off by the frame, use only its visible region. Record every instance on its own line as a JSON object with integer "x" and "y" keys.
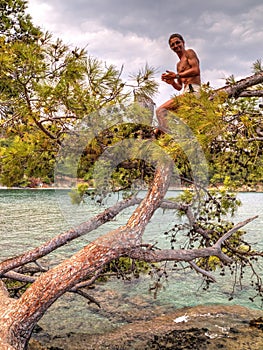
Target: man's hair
{"x": 176, "y": 35}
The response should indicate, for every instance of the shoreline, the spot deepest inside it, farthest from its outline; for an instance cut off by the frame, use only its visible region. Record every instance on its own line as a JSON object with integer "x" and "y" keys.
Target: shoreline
{"x": 201, "y": 328}
{"x": 241, "y": 190}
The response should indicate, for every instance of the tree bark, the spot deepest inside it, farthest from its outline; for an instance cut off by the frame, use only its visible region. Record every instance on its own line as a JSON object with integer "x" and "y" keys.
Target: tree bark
{"x": 239, "y": 88}
{"x": 66, "y": 237}
{"x": 18, "y": 319}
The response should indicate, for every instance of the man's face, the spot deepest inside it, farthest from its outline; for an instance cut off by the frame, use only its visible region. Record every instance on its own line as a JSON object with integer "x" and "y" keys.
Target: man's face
{"x": 176, "y": 44}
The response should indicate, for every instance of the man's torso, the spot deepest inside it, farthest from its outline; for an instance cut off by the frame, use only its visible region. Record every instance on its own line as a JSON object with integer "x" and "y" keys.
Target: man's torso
{"x": 183, "y": 65}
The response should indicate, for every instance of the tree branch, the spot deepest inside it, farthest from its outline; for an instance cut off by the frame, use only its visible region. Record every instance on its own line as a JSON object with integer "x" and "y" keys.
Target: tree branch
{"x": 251, "y": 93}
{"x": 87, "y": 296}
{"x": 238, "y": 226}
{"x": 202, "y": 271}
{"x": 172, "y": 255}
{"x": 29, "y": 308}
{"x": 72, "y": 234}
{"x": 235, "y": 90}
{"x": 67, "y": 236}
{"x": 76, "y": 289}
{"x": 187, "y": 254}
{"x": 19, "y": 277}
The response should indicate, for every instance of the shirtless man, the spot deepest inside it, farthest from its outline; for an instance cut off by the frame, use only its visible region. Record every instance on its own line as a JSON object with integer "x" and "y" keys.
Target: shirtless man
{"x": 187, "y": 76}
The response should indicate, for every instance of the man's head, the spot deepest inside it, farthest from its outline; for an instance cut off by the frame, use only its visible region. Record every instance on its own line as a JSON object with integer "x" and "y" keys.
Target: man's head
{"x": 176, "y": 35}
{"x": 176, "y": 43}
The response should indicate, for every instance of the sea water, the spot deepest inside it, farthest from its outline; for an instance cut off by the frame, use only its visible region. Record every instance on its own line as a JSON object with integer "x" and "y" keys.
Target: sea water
{"x": 30, "y": 217}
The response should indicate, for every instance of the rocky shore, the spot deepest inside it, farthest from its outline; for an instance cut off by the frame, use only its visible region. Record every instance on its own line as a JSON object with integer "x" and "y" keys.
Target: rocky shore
{"x": 197, "y": 328}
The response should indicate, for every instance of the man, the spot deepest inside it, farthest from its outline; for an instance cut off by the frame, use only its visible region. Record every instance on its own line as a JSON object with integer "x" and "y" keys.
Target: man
{"x": 187, "y": 76}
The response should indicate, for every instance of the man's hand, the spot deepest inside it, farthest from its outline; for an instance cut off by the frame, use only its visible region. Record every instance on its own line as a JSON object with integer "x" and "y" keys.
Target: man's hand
{"x": 169, "y": 76}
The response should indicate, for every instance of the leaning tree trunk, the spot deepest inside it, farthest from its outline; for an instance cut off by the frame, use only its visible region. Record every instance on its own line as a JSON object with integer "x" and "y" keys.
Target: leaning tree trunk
{"x": 239, "y": 89}
{"x": 18, "y": 317}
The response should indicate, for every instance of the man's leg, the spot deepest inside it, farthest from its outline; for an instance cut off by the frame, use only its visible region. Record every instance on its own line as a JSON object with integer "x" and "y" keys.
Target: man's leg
{"x": 161, "y": 112}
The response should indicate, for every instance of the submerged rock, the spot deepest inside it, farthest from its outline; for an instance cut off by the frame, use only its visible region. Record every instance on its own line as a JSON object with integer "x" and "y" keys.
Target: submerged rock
{"x": 258, "y": 323}
{"x": 198, "y": 328}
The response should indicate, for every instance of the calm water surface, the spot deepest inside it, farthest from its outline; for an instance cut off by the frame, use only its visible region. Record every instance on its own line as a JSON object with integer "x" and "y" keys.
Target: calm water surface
{"x": 30, "y": 217}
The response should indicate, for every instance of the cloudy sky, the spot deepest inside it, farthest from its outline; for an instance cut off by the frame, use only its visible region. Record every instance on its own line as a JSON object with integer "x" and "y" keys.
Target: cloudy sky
{"x": 226, "y": 34}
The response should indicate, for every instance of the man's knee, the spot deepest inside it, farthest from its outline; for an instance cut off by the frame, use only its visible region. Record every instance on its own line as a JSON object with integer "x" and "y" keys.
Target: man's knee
{"x": 161, "y": 114}
{"x": 161, "y": 110}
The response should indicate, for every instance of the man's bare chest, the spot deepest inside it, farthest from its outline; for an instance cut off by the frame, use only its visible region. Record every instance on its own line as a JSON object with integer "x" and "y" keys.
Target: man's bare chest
{"x": 183, "y": 64}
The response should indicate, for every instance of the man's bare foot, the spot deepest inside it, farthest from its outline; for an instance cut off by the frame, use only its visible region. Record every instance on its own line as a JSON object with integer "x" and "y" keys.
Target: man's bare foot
{"x": 158, "y": 133}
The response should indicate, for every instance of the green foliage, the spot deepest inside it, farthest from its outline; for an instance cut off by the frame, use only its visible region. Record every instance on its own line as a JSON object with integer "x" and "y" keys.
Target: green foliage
{"x": 128, "y": 162}
{"x": 229, "y": 132}
{"x": 145, "y": 85}
{"x": 15, "y": 24}
{"x": 201, "y": 114}
{"x": 26, "y": 158}
{"x": 126, "y": 268}
{"x": 42, "y": 93}
{"x": 82, "y": 190}
{"x": 46, "y": 88}
{"x": 257, "y": 66}
{"x": 16, "y": 288}
{"x": 236, "y": 154}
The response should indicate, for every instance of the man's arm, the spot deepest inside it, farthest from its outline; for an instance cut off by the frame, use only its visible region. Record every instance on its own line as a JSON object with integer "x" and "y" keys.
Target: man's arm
{"x": 193, "y": 61}
{"x": 169, "y": 77}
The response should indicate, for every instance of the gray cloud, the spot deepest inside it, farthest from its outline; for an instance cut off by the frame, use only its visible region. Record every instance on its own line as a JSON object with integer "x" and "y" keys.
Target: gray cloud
{"x": 152, "y": 18}
{"x": 227, "y": 35}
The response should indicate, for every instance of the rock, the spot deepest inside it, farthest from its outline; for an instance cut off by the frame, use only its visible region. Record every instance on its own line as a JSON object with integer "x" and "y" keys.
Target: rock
{"x": 37, "y": 329}
{"x": 258, "y": 323}
{"x": 206, "y": 328}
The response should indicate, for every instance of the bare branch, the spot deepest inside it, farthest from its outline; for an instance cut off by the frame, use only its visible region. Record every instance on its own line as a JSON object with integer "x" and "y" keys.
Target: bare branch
{"x": 87, "y": 296}
{"x": 41, "y": 268}
{"x": 235, "y": 90}
{"x": 19, "y": 277}
{"x": 67, "y": 236}
{"x": 172, "y": 255}
{"x": 187, "y": 254}
{"x": 251, "y": 93}
{"x": 202, "y": 271}
{"x": 233, "y": 230}
{"x": 87, "y": 282}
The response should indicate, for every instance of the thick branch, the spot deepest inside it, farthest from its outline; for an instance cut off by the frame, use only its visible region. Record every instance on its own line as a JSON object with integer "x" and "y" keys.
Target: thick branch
{"x": 29, "y": 308}
{"x": 235, "y": 90}
{"x": 188, "y": 254}
{"x": 233, "y": 230}
{"x": 67, "y": 236}
{"x": 72, "y": 234}
{"x": 173, "y": 255}
{"x": 251, "y": 93}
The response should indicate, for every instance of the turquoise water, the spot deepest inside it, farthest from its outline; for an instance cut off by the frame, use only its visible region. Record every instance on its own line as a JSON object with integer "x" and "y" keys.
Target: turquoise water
{"x": 30, "y": 217}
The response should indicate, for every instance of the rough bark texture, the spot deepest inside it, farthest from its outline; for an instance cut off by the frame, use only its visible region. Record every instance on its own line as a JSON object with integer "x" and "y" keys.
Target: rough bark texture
{"x": 239, "y": 88}
{"x": 66, "y": 237}
{"x": 18, "y": 319}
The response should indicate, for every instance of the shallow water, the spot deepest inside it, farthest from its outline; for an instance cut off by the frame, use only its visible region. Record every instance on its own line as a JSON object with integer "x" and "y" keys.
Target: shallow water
{"x": 30, "y": 217}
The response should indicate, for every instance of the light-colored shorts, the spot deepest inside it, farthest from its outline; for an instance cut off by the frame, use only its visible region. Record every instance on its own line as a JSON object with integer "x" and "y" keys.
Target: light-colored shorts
{"x": 192, "y": 88}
